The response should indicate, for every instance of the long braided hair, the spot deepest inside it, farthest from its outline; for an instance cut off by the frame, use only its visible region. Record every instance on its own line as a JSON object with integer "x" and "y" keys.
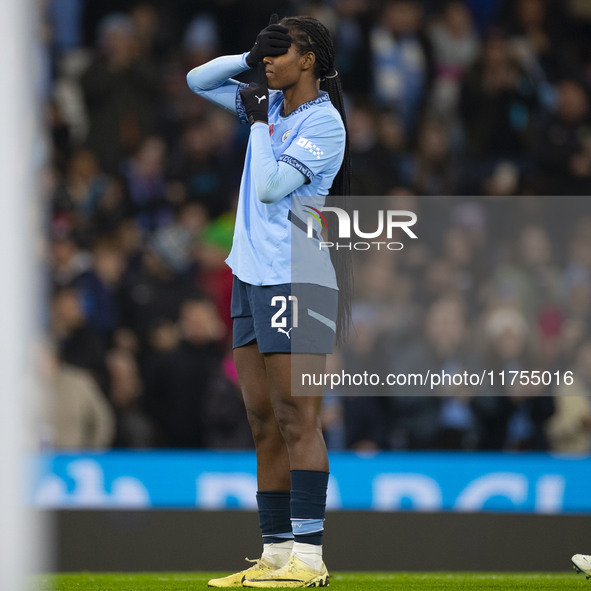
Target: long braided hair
{"x": 310, "y": 35}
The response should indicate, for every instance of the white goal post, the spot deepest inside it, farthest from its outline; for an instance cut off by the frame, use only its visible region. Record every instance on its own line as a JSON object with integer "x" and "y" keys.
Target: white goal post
{"x": 20, "y": 162}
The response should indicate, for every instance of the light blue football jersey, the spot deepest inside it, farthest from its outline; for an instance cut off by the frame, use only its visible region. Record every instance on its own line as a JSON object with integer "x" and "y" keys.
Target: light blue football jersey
{"x": 270, "y": 244}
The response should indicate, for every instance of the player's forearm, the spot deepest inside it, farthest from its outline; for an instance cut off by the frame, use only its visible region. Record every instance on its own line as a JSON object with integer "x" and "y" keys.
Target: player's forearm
{"x": 215, "y": 73}
{"x": 273, "y": 180}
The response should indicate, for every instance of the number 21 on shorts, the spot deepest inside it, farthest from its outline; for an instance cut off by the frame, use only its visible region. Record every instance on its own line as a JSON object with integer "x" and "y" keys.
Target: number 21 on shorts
{"x": 279, "y": 320}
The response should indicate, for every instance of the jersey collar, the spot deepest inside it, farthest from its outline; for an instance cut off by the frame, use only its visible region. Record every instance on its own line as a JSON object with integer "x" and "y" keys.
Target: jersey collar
{"x": 321, "y": 98}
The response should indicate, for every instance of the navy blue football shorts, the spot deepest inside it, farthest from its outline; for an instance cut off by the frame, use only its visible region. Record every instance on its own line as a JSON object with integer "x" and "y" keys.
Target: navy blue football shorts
{"x": 285, "y": 318}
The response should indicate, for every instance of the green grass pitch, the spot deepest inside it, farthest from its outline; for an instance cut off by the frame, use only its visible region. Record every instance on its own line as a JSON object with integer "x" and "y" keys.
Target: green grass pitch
{"x": 339, "y": 581}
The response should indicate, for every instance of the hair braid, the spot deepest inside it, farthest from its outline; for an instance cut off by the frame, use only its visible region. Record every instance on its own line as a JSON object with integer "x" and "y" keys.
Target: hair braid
{"x": 310, "y": 35}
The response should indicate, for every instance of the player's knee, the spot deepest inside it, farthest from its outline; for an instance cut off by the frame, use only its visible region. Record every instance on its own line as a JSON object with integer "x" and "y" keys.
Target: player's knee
{"x": 263, "y": 424}
{"x": 293, "y": 424}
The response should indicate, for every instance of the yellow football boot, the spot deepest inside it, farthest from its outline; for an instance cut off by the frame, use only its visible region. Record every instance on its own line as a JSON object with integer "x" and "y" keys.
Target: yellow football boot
{"x": 260, "y": 568}
{"x": 295, "y": 574}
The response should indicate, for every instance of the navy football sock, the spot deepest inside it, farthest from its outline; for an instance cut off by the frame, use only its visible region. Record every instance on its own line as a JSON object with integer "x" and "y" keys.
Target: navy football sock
{"x": 274, "y": 515}
{"x": 308, "y": 505}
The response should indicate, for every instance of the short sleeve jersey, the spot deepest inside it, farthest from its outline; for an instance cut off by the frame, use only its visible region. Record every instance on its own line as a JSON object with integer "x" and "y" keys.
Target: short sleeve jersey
{"x": 270, "y": 243}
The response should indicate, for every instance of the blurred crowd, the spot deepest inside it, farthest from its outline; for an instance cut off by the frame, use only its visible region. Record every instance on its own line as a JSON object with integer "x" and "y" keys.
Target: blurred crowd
{"x": 474, "y": 114}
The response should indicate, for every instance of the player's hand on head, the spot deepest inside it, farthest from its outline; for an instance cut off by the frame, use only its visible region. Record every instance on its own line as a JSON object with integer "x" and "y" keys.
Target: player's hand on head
{"x": 255, "y": 98}
{"x": 272, "y": 41}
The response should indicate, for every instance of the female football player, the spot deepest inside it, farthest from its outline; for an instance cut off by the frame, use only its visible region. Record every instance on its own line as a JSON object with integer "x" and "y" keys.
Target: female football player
{"x": 287, "y": 305}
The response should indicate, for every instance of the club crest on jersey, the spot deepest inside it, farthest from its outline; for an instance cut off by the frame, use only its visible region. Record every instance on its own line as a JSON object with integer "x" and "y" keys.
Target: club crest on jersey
{"x": 308, "y": 145}
{"x": 271, "y": 129}
{"x": 285, "y": 135}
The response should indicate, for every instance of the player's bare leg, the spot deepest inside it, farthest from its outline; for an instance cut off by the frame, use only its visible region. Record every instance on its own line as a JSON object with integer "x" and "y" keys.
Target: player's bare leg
{"x": 297, "y": 408}
{"x": 271, "y": 451}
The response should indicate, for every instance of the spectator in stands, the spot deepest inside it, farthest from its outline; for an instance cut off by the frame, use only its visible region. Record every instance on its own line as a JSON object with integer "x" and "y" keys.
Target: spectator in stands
{"x": 134, "y": 428}
{"x": 225, "y": 422}
{"x": 68, "y": 262}
{"x": 202, "y": 168}
{"x": 77, "y": 343}
{"x": 82, "y": 188}
{"x": 201, "y": 40}
{"x": 353, "y": 24}
{"x": 147, "y": 21}
{"x": 146, "y": 183}
{"x": 455, "y": 48}
{"x": 387, "y": 154}
{"x": 100, "y": 290}
{"x": 59, "y": 132}
{"x": 438, "y": 280}
{"x": 156, "y": 288}
{"x": 515, "y": 415}
{"x": 536, "y": 29}
{"x": 163, "y": 336}
{"x": 563, "y": 143}
{"x": 120, "y": 92}
{"x": 178, "y": 381}
{"x": 215, "y": 276}
{"x": 365, "y": 416}
{"x": 402, "y": 60}
{"x": 572, "y": 334}
{"x": 445, "y": 418}
{"x": 569, "y": 429}
{"x": 113, "y": 210}
{"x": 431, "y": 170}
{"x": 77, "y": 415}
{"x": 497, "y": 103}
{"x": 376, "y": 141}
{"x": 530, "y": 280}
{"x": 363, "y": 140}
